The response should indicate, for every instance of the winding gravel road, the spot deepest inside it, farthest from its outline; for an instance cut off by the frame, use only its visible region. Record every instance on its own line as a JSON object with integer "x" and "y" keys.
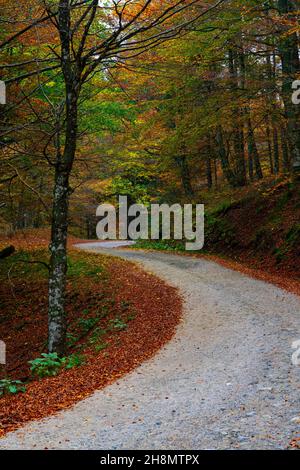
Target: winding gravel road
{"x": 225, "y": 381}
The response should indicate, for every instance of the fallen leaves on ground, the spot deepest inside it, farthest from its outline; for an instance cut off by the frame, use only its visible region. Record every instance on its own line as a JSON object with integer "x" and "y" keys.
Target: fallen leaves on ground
{"x": 295, "y": 443}
{"x": 157, "y": 309}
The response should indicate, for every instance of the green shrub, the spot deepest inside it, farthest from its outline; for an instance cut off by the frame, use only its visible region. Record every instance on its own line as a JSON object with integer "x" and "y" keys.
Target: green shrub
{"x": 100, "y": 346}
{"x": 96, "y": 335}
{"x": 8, "y": 386}
{"x": 71, "y": 339}
{"x": 118, "y": 324}
{"x": 75, "y": 360}
{"x": 48, "y": 365}
{"x": 87, "y": 324}
{"x": 223, "y": 208}
{"x": 160, "y": 245}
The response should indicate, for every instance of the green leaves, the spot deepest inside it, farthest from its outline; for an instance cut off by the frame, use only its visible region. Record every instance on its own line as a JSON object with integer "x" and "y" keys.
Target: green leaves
{"x": 118, "y": 324}
{"x": 49, "y": 365}
{"x": 135, "y": 179}
{"x": 104, "y": 113}
{"x": 75, "y": 360}
{"x": 8, "y": 386}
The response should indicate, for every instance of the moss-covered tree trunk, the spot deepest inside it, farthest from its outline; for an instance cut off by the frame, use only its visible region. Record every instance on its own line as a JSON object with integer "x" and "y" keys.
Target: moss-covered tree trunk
{"x": 58, "y": 265}
{"x": 64, "y": 164}
{"x": 58, "y": 245}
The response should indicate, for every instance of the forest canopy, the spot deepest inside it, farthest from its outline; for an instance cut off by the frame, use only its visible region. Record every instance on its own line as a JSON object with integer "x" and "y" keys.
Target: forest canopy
{"x": 156, "y": 100}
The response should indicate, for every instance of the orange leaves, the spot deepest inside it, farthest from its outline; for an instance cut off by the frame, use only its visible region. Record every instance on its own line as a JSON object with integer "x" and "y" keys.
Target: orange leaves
{"x": 20, "y": 15}
{"x": 157, "y": 310}
{"x": 295, "y": 443}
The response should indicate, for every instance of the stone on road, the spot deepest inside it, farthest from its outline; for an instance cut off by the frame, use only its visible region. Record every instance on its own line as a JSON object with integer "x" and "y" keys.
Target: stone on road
{"x": 225, "y": 381}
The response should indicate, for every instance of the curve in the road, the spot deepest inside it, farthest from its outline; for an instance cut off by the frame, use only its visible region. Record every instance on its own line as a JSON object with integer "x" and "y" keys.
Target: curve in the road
{"x": 225, "y": 381}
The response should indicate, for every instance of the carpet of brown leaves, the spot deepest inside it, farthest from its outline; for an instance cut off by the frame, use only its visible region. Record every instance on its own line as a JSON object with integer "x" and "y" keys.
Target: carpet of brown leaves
{"x": 157, "y": 309}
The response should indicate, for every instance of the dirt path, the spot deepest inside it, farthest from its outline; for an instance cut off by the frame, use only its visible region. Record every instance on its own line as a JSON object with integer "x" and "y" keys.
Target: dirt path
{"x": 225, "y": 381}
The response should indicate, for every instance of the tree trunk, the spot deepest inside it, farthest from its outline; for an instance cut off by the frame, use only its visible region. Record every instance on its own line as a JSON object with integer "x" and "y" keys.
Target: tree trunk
{"x": 238, "y": 131}
{"x": 208, "y": 168}
{"x": 58, "y": 265}
{"x": 276, "y": 151}
{"x": 285, "y": 151}
{"x": 215, "y": 163}
{"x": 250, "y": 161}
{"x": 185, "y": 175}
{"x": 270, "y": 148}
{"x": 253, "y": 152}
{"x": 64, "y": 164}
{"x": 228, "y": 173}
{"x": 58, "y": 245}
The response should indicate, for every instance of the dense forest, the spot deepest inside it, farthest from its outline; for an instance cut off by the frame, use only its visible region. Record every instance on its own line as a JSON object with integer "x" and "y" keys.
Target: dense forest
{"x": 182, "y": 103}
{"x": 161, "y": 101}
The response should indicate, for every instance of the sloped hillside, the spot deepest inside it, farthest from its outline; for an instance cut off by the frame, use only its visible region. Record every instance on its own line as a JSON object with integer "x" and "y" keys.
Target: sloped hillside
{"x": 262, "y": 228}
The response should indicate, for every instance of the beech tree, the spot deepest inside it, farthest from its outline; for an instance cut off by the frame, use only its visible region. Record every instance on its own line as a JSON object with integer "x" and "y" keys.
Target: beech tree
{"x": 225, "y": 102}
{"x": 90, "y": 36}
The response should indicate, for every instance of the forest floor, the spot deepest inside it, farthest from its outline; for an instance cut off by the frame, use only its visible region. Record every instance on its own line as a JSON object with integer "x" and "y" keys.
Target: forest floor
{"x": 225, "y": 380}
{"x": 118, "y": 316}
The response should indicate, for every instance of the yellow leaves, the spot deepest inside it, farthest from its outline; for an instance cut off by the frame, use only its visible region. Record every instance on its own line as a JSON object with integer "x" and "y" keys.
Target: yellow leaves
{"x": 98, "y": 185}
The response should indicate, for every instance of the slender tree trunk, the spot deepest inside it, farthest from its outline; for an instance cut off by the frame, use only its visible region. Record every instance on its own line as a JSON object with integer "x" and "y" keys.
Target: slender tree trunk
{"x": 185, "y": 175}
{"x": 58, "y": 265}
{"x": 215, "y": 162}
{"x": 253, "y": 152}
{"x": 239, "y": 151}
{"x": 64, "y": 164}
{"x": 58, "y": 245}
{"x": 273, "y": 99}
{"x": 209, "y": 177}
{"x": 250, "y": 160}
{"x": 228, "y": 173}
{"x": 270, "y": 148}
{"x": 238, "y": 131}
{"x": 276, "y": 151}
{"x": 285, "y": 151}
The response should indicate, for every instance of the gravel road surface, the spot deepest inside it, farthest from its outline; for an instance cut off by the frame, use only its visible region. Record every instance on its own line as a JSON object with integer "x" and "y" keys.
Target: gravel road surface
{"x": 225, "y": 381}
